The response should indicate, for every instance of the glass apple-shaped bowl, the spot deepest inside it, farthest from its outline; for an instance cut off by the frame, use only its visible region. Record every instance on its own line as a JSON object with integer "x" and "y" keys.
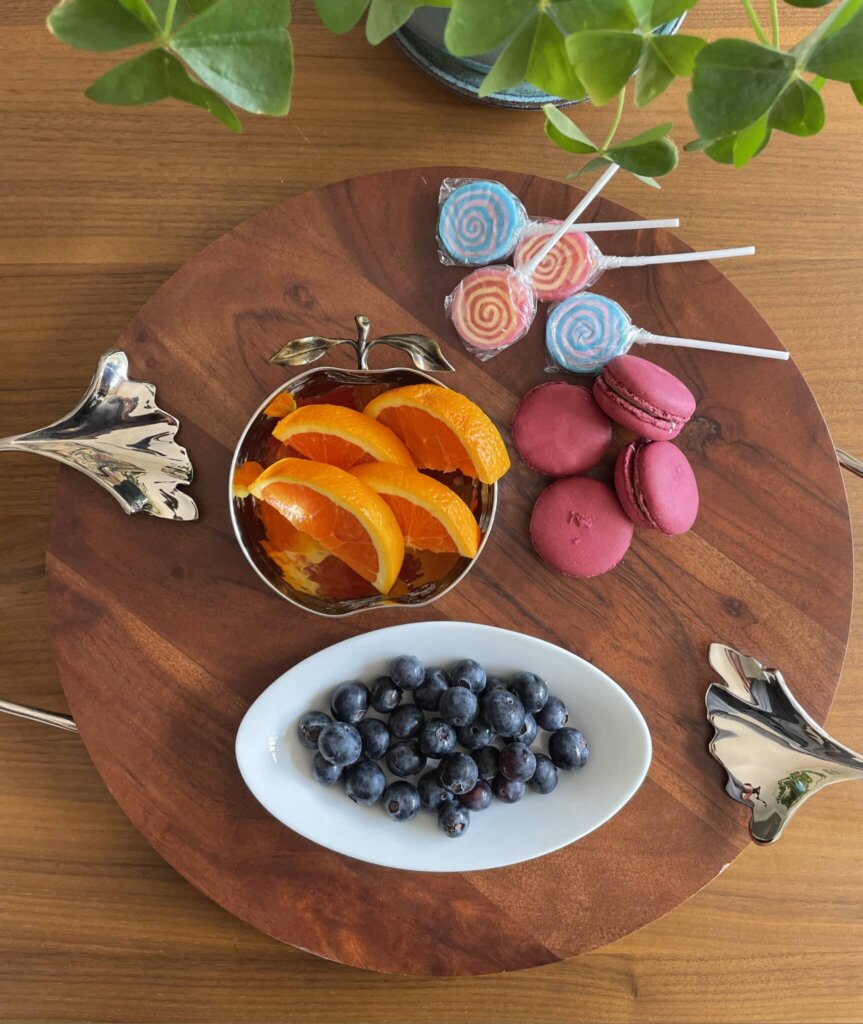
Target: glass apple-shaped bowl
{"x": 290, "y": 562}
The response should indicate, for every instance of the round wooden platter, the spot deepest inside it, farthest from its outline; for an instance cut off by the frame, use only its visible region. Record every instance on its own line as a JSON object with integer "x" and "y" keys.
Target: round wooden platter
{"x": 164, "y": 635}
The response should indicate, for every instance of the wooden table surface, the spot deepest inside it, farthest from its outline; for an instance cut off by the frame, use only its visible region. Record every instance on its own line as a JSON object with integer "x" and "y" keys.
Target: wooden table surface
{"x": 100, "y": 206}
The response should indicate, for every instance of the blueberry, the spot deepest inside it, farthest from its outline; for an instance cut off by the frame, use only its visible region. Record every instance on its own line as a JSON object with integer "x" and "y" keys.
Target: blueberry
{"x": 406, "y": 721}
{"x": 568, "y": 749}
{"x": 428, "y": 695}
{"x": 506, "y": 789}
{"x": 475, "y": 735}
{"x": 530, "y": 690}
{"x": 495, "y": 683}
{"x": 401, "y": 801}
{"x": 527, "y": 732}
{"x": 309, "y": 727}
{"x": 503, "y": 711}
{"x": 517, "y": 762}
{"x": 364, "y": 782}
{"x": 437, "y": 738}
{"x": 375, "y": 736}
{"x": 340, "y": 743}
{"x": 544, "y": 778}
{"x": 407, "y": 672}
{"x": 487, "y": 761}
{"x": 478, "y": 798}
{"x": 454, "y": 820}
{"x": 469, "y": 674}
{"x": 458, "y": 706}
{"x": 553, "y": 716}
{"x": 349, "y": 702}
{"x": 405, "y": 758}
{"x": 458, "y": 773}
{"x": 432, "y": 794}
{"x": 324, "y": 772}
{"x": 386, "y": 696}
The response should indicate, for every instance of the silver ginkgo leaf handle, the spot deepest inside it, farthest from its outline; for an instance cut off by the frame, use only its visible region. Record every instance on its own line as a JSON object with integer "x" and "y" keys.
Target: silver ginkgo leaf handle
{"x": 425, "y": 353}
{"x": 120, "y": 438}
{"x": 775, "y": 754}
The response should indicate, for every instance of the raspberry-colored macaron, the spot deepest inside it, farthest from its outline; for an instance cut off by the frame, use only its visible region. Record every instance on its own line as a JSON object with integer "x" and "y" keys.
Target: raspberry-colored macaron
{"x": 644, "y": 398}
{"x": 579, "y": 528}
{"x": 656, "y": 486}
{"x": 559, "y": 430}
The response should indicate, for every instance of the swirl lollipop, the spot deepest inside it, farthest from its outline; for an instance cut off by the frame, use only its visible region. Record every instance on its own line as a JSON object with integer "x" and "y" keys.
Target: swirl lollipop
{"x": 575, "y": 262}
{"x": 479, "y": 223}
{"x": 586, "y": 331}
{"x": 492, "y": 308}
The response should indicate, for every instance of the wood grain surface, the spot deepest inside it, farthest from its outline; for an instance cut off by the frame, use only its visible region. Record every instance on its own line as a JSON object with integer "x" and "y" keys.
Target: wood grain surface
{"x": 107, "y": 204}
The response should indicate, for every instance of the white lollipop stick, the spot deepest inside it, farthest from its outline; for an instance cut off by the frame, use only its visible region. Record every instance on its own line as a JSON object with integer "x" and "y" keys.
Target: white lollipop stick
{"x": 641, "y": 337}
{"x": 590, "y": 195}
{"x": 616, "y": 225}
{"x": 676, "y": 257}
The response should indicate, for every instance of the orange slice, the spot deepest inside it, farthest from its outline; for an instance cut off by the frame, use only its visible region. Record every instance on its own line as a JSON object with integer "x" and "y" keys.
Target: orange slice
{"x": 244, "y": 476}
{"x": 281, "y": 405}
{"x": 431, "y": 516}
{"x": 340, "y": 437}
{"x": 343, "y": 514}
{"x": 443, "y": 430}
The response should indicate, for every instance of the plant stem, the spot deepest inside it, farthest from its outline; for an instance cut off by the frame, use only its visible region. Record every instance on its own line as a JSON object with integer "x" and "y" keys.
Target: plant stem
{"x": 621, "y": 96}
{"x": 169, "y": 17}
{"x": 755, "y": 23}
{"x": 774, "y": 21}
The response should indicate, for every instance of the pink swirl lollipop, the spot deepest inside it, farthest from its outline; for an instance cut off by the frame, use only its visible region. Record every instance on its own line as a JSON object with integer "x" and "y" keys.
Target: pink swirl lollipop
{"x": 492, "y": 308}
{"x": 570, "y": 266}
{"x": 575, "y": 262}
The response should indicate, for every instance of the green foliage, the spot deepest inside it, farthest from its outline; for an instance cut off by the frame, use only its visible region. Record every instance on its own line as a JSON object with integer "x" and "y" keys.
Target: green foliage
{"x": 218, "y": 53}
{"x": 648, "y": 155}
{"x": 103, "y": 25}
{"x": 158, "y": 75}
{"x": 243, "y": 51}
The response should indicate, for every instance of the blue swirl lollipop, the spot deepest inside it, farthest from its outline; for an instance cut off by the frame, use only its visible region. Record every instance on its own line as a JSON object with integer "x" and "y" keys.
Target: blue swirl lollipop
{"x": 480, "y": 222}
{"x": 586, "y": 331}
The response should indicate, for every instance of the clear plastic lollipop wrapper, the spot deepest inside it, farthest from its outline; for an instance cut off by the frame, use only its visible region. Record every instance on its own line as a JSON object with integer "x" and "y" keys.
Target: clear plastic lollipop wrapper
{"x": 479, "y": 222}
{"x": 586, "y": 331}
{"x": 575, "y": 262}
{"x": 491, "y": 309}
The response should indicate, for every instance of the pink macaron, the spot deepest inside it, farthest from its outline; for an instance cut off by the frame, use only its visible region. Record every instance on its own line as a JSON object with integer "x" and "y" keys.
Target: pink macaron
{"x": 579, "y": 528}
{"x": 644, "y": 398}
{"x": 559, "y": 430}
{"x": 656, "y": 486}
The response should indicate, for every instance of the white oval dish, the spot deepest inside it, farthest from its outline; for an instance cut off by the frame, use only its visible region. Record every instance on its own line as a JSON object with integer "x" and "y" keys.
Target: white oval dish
{"x": 276, "y": 767}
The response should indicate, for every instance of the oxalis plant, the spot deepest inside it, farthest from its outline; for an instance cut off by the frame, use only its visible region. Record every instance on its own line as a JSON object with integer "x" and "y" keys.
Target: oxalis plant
{"x": 221, "y": 54}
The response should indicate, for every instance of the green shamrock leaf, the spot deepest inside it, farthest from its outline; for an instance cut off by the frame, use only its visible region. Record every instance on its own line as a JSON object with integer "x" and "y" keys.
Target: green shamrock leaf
{"x": 650, "y": 153}
{"x": 340, "y": 15}
{"x": 839, "y": 55}
{"x": 386, "y": 16}
{"x": 158, "y": 75}
{"x": 103, "y": 25}
{"x": 588, "y": 15}
{"x": 665, "y": 58}
{"x": 799, "y": 110}
{"x": 475, "y": 26}
{"x": 734, "y": 83}
{"x": 750, "y": 141}
{"x": 564, "y": 132}
{"x": 243, "y": 51}
{"x": 604, "y": 60}
{"x": 535, "y": 53}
